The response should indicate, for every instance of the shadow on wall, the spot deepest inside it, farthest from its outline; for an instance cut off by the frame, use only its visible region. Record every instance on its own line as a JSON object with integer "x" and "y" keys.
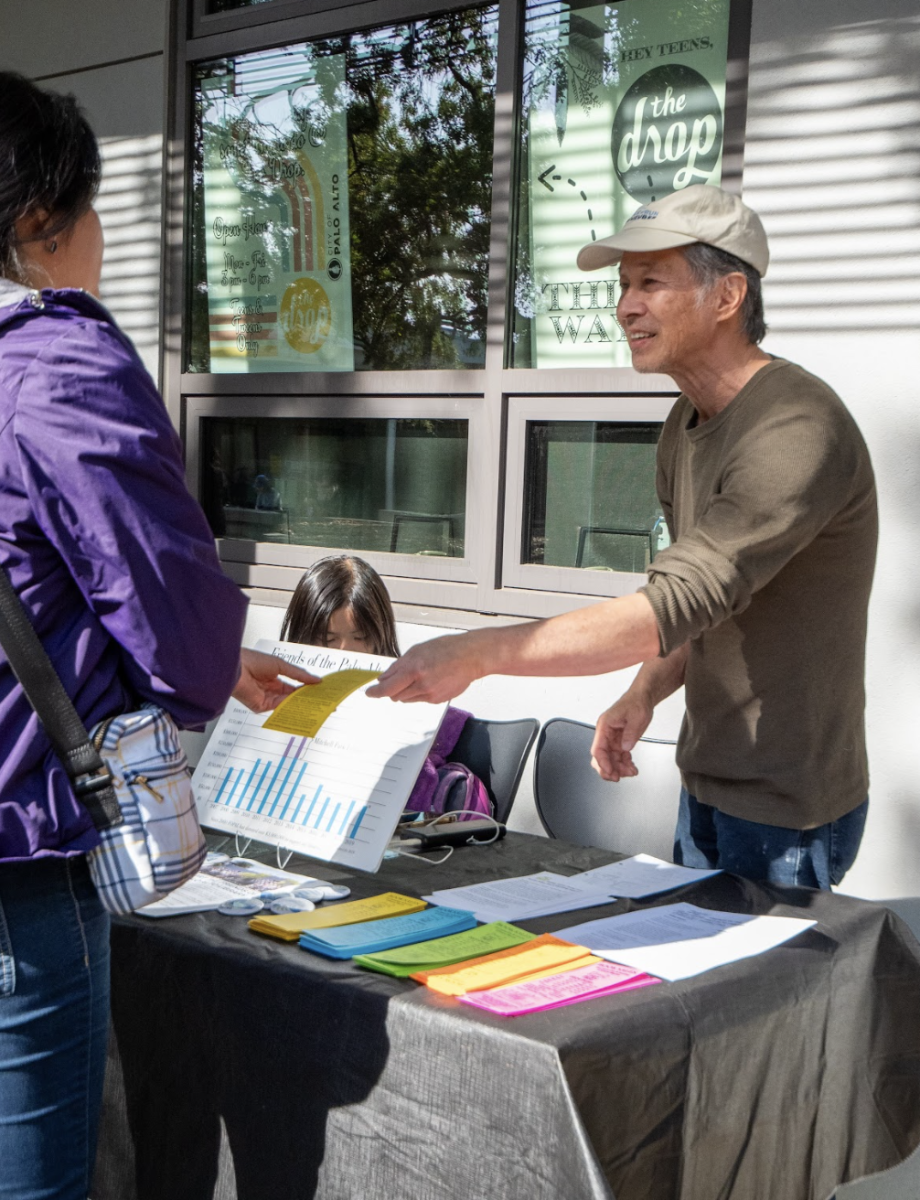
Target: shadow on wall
{"x": 832, "y": 163}
{"x": 129, "y": 205}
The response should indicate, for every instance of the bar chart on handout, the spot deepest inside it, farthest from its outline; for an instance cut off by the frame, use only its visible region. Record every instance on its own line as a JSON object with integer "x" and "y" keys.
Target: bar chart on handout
{"x": 336, "y": 796}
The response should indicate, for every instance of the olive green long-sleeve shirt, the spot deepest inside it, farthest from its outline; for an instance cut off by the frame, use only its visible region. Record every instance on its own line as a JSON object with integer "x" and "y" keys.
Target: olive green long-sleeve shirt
{"x": 772, "y": 510}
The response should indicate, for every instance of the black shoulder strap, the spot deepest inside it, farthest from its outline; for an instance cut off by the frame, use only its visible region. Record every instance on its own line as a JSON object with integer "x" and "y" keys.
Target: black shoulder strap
{"x": 54, "y": 708}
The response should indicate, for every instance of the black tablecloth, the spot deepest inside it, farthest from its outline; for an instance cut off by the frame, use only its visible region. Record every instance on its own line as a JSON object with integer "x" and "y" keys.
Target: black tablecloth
{"x": 244, "y": 1067}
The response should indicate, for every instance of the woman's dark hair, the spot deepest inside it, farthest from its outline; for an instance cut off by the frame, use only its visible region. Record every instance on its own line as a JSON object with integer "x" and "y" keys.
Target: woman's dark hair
{"x": 341, "y": 581}
{"x": 49, "y": 159}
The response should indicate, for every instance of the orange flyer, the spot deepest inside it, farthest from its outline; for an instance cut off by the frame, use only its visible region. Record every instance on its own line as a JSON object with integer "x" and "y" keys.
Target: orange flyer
{"x": 544, "y": 955}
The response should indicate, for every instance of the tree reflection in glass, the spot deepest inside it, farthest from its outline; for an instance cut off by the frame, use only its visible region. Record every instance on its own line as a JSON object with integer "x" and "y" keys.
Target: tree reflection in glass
{"x": 418, "y": 100}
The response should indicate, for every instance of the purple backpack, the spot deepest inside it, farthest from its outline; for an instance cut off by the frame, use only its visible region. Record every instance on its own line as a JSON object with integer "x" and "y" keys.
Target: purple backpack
{"x": 458, "y": 788}
{"x": 444, "y": 786}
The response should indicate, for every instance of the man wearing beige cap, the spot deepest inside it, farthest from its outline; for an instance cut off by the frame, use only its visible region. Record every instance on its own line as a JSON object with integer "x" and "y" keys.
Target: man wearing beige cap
{"x": 759, "y": 605}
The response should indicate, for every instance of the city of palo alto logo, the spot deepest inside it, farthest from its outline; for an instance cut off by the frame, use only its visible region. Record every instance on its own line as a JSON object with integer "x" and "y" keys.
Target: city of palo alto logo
{"x": 667, "y": 132}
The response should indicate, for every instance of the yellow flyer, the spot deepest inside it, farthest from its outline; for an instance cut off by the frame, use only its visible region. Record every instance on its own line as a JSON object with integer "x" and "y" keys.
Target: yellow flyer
{"x": 304, "y": 711}
{"x": 290, "y": 926}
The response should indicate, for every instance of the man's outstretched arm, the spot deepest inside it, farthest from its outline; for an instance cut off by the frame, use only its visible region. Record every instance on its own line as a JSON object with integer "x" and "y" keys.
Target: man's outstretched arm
{"x": 591, "y": 641}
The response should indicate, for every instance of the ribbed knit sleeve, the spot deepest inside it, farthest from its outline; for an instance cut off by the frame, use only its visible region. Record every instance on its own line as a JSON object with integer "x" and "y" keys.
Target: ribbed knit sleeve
{"x": 784, "y": 466}
{"x": 689, "y": 595}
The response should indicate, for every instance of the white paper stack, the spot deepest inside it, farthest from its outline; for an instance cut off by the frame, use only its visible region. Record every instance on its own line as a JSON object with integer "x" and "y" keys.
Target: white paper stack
{"x": 527, "y": 896}
{"x": 643, "y": 875}
{"x": 676, "y": 941}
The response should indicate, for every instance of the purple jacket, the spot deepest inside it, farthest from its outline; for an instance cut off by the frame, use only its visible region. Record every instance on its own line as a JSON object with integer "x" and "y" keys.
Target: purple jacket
{"x": 111, "y": 556}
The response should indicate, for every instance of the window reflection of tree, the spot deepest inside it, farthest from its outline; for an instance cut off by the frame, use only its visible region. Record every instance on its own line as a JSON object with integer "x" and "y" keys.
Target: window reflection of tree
{"x": 352, "y": 482}
{"x": 420, "y": 102}
{"x": 572, "y": 52}
{"x": 420, "y": 120}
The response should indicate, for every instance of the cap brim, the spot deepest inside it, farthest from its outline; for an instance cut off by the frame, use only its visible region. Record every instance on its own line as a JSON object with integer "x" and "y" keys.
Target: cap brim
{"x": 610, "y": 250}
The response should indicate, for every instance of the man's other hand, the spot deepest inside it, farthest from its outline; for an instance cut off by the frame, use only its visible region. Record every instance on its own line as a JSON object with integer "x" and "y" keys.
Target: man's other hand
{"x": 260, "y": 686}
{"x": 618, "y": 730}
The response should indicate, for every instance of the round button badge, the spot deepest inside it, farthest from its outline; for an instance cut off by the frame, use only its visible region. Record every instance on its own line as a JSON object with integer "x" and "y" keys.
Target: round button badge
{"x": 292, "y": 904}
{"x": 322, "y": 891}
{"x": 242, "y": 907}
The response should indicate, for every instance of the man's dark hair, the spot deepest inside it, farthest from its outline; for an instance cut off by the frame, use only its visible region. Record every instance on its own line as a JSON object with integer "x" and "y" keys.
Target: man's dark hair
{"x": 49, "y": 159}
{"x": 708, "y": 264}
{"x": 341, "y": 581}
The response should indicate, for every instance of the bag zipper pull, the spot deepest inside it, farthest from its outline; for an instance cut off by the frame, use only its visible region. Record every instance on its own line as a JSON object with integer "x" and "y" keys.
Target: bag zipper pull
{"x": 142, "y": 780}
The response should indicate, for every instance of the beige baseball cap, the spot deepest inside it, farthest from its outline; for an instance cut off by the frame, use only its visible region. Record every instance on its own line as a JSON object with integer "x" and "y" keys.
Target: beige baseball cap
{"x": 699, "y": 213}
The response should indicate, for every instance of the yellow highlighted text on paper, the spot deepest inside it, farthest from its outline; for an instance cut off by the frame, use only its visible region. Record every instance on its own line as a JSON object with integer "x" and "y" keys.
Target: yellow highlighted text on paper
{"x": 304, "y": 711}
{"x": 289, "y": 926}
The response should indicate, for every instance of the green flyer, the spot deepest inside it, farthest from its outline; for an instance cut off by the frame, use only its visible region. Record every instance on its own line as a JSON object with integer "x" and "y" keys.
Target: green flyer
{"x": 276, "y": 214}
{"x": 627, "y": 104}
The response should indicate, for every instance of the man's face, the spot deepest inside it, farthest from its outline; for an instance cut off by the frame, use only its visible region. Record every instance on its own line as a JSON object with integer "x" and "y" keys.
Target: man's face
{"x": 663, "y": 311}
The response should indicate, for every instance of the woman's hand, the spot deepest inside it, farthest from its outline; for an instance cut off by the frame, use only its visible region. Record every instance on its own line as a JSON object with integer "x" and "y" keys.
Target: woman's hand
{"x": 260, "y": 686}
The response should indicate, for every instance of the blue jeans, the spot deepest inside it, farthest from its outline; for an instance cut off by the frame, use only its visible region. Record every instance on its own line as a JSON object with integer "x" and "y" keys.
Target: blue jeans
{"x": 815, "y": 858}
{"x": 54, "y": 1001}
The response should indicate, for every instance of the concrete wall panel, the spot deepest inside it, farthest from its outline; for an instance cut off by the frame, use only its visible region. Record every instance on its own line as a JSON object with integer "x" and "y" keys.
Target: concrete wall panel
{"x": 51, "y": 37}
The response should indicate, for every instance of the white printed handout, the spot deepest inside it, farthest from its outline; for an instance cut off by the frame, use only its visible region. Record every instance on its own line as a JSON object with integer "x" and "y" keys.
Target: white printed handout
{"x": 336, "y": 796}
{"x": 676, "y": 941}
{"x": 526, "y": 896}
{"x": 223, "y": 878}
{"x": 643, "y": 875}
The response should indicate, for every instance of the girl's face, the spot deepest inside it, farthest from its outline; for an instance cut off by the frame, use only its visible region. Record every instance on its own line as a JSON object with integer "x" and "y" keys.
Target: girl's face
{"x": 342, "y": 632}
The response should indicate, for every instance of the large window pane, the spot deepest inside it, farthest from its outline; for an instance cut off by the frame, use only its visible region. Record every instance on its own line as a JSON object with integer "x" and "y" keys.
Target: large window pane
{"x": 396, "y": 486}
{"x": 623, "y": 103}
{"x": 590, "y": 495}
{"x": 341, "y": 201}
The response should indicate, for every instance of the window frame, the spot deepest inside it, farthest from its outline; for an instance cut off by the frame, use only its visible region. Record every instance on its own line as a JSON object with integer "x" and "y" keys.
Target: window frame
{"x": 523, "y": 409}
{"x": 496, "y": 397}
{"x": 461, "y": 571}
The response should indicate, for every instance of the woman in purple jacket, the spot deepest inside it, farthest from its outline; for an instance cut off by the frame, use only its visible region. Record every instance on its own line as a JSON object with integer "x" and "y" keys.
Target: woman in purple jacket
{"x": 116, "y": 567}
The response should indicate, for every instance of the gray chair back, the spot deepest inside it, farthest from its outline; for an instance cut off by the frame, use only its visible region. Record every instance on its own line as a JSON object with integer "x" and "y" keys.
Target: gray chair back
{"x": 633, "y": 816}
{"x": 496, "y": 751}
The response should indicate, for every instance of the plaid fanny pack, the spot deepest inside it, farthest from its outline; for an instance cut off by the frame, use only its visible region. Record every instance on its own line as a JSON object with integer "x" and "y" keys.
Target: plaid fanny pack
{"x": 158, "y": 845}
{"x": 131, "y": 775}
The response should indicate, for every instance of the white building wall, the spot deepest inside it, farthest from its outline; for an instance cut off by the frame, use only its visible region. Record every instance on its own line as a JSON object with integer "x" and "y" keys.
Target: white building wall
{"x": 109, "y": 54}
{"x": 832, "y": 163}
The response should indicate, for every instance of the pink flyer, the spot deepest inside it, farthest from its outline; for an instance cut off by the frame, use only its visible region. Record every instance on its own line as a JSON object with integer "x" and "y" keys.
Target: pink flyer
{"x": 584, "y": 983}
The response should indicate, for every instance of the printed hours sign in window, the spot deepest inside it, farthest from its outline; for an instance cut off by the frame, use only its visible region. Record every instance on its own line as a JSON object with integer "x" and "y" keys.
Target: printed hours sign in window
{"x": 276, "y": 214}
{"x": 341, "y": 201}
{"x": 623, "y": 104}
